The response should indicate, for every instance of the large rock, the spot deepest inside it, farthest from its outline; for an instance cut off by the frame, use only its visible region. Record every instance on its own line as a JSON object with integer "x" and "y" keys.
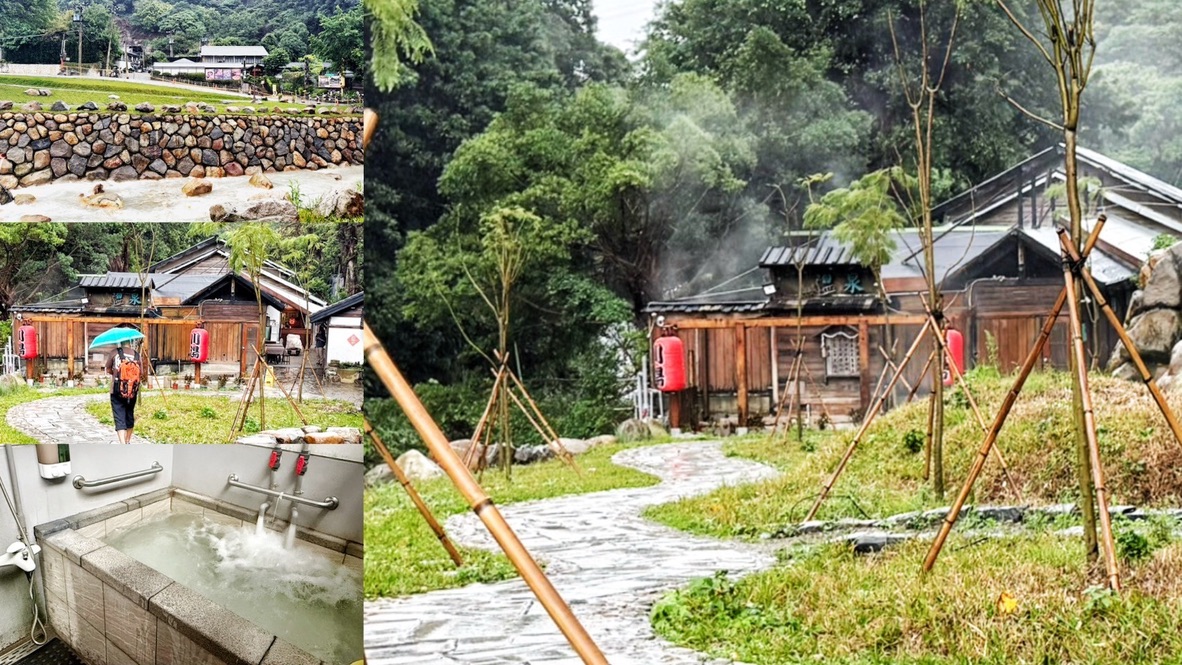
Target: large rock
{"x": 602, "y": 440}
{"x": 5, "y": 105}
{"x": 100, "y": 198}
{"x": 417, "y": 466}
{"x": 378, "y": 476}
{"x": 88, "y": 106}
{"x": 532, "y": 454}
{"x": 197, "y": 187}
{"x": 1154, "y": 333}
{"x": 59, "y": 107}
{"x": 5, "y": 196}
{"x": 144, "y": 107}
{"x": 574, "y": 446}
{"x": 267, "y": 210}
{"x": 633, "y": 430}
{"x": 261, "y": 181}
{"x": 342, "y": 202}
{"x": 1164, "y": 288}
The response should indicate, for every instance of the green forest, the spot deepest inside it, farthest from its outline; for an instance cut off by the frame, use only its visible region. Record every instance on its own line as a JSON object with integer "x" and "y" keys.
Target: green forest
{"x": 331, "y": 30}
{"x": 661, "y": 173}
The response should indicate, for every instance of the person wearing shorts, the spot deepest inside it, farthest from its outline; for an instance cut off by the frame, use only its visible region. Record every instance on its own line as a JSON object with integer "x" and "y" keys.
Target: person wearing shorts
{"x": 122, "y": 409}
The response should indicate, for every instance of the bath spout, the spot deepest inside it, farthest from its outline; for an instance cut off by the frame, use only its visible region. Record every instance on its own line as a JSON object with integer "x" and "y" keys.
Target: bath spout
{"x": 329, "y": 503}
{"x": 22, "y": 556}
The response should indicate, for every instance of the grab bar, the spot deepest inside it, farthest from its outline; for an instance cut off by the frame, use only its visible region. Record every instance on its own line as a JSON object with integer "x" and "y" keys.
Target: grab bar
{"x": 330, "y": 503}
{"x": 80, "y": 482}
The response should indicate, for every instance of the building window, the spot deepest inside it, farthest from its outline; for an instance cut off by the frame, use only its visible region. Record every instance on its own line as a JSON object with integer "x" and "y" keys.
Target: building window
{"x": 840, "y": 350}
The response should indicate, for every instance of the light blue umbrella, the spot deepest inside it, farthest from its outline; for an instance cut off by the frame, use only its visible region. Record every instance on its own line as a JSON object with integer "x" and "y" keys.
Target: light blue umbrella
{"x": 116, "y": 336}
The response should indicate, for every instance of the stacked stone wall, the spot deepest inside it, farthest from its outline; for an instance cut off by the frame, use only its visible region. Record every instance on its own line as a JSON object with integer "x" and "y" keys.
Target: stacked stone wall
{"x": 43, "y": 147}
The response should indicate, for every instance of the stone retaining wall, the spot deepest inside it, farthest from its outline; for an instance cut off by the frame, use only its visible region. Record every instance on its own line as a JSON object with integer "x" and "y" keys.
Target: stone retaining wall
{"x": 42, "y": 147}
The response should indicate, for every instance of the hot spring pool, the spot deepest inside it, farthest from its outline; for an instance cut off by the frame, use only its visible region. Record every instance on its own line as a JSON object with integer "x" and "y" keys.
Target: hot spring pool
{"x": 304, "y": 598}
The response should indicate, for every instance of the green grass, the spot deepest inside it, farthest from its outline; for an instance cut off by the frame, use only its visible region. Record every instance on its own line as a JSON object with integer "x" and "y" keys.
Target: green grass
{"x": 20, "y": 395}
{"x": 829, "y": 605}
{"x": 1140, "y": 455}
{"x": 181, "y": 418}
{"x": 402, "y": 555}
{"x": 75, "y": 91}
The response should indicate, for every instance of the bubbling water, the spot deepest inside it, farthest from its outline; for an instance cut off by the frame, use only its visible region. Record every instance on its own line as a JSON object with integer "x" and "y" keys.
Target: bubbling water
{"x": 306, "y": 599}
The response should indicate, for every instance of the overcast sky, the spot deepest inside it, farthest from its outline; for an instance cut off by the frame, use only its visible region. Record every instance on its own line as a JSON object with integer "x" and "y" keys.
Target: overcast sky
{"x": 621, "y": 22}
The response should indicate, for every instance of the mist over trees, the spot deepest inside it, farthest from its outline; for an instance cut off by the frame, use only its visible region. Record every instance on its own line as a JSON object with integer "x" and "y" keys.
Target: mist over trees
{"x": 680, "y": 166}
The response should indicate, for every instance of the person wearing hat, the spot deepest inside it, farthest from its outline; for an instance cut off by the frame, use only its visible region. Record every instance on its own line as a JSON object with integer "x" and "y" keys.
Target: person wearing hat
{"x": 124, "y": 366}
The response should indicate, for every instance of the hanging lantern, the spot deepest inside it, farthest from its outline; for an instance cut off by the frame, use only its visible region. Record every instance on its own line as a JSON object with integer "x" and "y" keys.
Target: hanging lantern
{"x": 669, "y": 361}
{"x": 199, "y": 345}
{"x": 955, "y": 341}
{"x": 26, "y": 338}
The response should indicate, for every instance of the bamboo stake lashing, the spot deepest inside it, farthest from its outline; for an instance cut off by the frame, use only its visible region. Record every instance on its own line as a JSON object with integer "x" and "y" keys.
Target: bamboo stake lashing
{"x": 999, "y": 420}
{"x": 1089, "y": 418}
{"x": 415, "y": 497}
{"x": 1118, "y": 326}
{"x": 867, "y": 420}
{"x": 479, "y": 501}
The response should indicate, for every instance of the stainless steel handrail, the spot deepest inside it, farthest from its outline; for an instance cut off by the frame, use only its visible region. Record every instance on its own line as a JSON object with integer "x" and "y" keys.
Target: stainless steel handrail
{"x": 80, "y": 482}
{"x": 329, "y": 503}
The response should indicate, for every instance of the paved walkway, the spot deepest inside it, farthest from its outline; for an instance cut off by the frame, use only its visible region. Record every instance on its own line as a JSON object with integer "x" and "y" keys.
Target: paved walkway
{"x": 64, "y": 420}
{"x": 607, "y": 561}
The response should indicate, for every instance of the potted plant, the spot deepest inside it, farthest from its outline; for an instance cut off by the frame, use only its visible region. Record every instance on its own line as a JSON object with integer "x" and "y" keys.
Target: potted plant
{"x": 348, "y": 372}
{"x": 188, "y": 381}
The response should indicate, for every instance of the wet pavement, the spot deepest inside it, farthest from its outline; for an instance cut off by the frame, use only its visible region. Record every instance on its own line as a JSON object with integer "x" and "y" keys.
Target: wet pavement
{"x": 606, "y": 560}
{"x": 63, "y": 420}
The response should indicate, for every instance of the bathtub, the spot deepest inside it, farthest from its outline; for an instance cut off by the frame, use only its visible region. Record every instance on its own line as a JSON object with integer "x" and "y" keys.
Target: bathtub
{"x": 114, "y": 609}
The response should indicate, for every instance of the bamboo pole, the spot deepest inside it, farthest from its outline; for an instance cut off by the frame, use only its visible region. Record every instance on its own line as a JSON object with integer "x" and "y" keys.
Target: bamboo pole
{"x": 866, "y": 422}
{"x": 999, "y": 420}
{"x": 480, "y": 502}
{"x": 927, "y": 438}
{"x": 793, "y": 375}
{"x": 415, "y": 498}
{"x": 923, "y": 373}
{"x": 891, "y": 364}
{"x": 817, "y": 392}
{"x": 563, "y": 452}
{"x": 478, "y": 433}
{"x": 964, "y": 386}
{"x": 1138, "y": 362}
{"x": 1089, "y": 418}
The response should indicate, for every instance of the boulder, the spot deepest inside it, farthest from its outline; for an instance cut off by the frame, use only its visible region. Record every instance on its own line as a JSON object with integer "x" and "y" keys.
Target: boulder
{"x": 378, "y": 476}
{"x": 59, "y": 107}
{"x": 342, "y": 202}
{"x": 288, "y": 435}
{"x": 145, "y": 107}
{"x": 633, "y": 430}
{"x": 197, "y": 187}
{"x": 260, "y": 439}
{"x": 1154, "y": 333}
{"x": 418, "y": 466}
{"x": 602, "y": 440}
{"x": 5, "y": 196}
{"x": 6, "y": 105}
{"x": 24, "y": 199}
{"x": 312, "y": 429}
{"x": 348, "y": 434}
{"x": 112, "y": 96}
{"x": 261, "y": 181}
{"x": 33, "y": 92}
{"x": 324, "y": 437}
{"x": 31, "y": 107}
{"x": 100, "y": 198}
{"x": 574, "y": 446}
{"x": 34, "y": 219}
{"x": 88, "y": 106}
{"x": 656, "y": 430}
{"x": 267, "y": 210}
{"x": 532, "y": 454}
{"x": 1164, "y": 288}
{"x": 116, "y": 106}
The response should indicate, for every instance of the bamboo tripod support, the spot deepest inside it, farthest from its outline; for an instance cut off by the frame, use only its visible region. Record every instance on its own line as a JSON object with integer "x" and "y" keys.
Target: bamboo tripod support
{"x": 384, "y": 367}
{"x": 415, "y": 498}
{"x": 866, "y": 422}
{"x": 794, "y": 376}
{"x": 1073, "y": 262}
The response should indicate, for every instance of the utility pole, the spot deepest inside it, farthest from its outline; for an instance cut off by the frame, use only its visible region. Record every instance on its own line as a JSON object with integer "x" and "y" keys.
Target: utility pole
{"x": 78, "y": 20}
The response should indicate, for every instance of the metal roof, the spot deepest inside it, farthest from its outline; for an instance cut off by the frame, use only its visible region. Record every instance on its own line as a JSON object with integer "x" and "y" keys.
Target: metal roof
{"x": 249, "y": 51}
{"x": 1105, "y": 269}
{"x": 344, "y": 305}
{"x": 117, "y": 280}
{"x": 821, "y": 250}
{"x": 704, "y": 306}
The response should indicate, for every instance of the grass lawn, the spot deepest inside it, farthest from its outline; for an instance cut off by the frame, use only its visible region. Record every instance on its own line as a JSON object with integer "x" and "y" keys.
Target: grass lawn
{"x": 21, "y": 395}
{"x": 181, "y": 418}
{"x": 402, "y": 555}
{"x": 75, "y": 91}
{"x": 829, "y": 605}
{"x": 885, "y": 476}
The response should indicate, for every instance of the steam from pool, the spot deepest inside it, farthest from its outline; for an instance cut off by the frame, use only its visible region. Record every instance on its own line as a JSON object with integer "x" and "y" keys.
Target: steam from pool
{"x": 303, "y": 597}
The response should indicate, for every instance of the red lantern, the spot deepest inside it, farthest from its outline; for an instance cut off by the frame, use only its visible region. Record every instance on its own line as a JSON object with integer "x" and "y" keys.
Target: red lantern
{"x": 955, "y": 342}
{"x": 669, "y": 360}
{"x": 199, "y": 345}
{"x": 26, "y": 338}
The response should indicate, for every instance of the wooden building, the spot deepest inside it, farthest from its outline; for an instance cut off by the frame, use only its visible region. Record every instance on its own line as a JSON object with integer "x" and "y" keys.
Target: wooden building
{"x": 193, "y": 287}
{"x": 997, "y": 261}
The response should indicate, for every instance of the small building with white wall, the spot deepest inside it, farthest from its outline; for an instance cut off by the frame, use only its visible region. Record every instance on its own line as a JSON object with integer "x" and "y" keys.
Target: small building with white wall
{"x": 338, "y": 330}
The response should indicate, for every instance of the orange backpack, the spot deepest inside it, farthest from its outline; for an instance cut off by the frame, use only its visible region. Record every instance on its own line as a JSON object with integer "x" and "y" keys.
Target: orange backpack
{"x": 128, "y": 385}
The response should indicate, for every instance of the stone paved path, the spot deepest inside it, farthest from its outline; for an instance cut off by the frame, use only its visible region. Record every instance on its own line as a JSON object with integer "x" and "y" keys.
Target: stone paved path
{"x": 606, "y": 560}
{"x": 63, "y": 420}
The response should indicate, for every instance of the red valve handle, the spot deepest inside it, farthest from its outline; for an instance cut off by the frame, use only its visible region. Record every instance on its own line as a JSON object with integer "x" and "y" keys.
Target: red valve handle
{"x": 301, "y": 465}
{"x": 274, "y": 463}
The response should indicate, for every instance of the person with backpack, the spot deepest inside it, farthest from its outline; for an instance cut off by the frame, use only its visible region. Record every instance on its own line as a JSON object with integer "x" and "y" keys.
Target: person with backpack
{"x": 124, "y": 366}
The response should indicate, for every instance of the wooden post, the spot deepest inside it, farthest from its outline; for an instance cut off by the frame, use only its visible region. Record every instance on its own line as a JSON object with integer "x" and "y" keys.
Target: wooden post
{"x": 864, "y": 362}
{"x": 70, "y": 350}
{"x": 197, "y": 373}
{"x": 775, "y": 365}
{"x": 706, "y": 375}
{"x": 675, "y": 410}
{"x": 741, "y": 371}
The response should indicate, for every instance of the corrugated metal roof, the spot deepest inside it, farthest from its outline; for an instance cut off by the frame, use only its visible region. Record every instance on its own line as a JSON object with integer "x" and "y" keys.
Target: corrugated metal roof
{"x": 704, "y": 306}
{"x": 116, "y": 280}
{"x": 1105, "y": 269}
{"x": 346, "y": 304}
{"x": 55, "y": 307}
{"x": 822, "y": 250}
